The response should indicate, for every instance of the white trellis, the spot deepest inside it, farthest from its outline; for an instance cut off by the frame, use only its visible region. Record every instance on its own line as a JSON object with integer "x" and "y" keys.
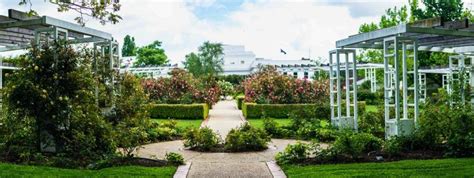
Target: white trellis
{"x": 349, "y": 75}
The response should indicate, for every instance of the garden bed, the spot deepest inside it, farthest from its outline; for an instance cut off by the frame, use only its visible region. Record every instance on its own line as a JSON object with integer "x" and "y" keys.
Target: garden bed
{"x": 253, "y": 110}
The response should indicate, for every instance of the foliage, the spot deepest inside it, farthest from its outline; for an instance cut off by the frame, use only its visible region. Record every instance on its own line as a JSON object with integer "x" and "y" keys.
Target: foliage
{"x": 240, "y": 101}
{"x": 181, "y": 88}
{"x": 234, "y": 79}
{"x": 447, "y": 10}
{"x": 104, "y": 11}
{"x": 129, "y": 48}
{"x": 227, "y": 89}
{"x": 151, "y": 55}
{"x": 373, "y": 123}
{"x": 268, "y": 86}
{"x": 207, "y": 62}
{"x": 246, "y": 138}
{"x": 355, "y": 144}
{"x": 295, "y": 153}
{"x": 174, "y": 158}
{"x": 163, "y": 131}
{"x": 52, "y": 102}
{"x": 179, "y": 111}
{"x": 201, "y": 139}
{"x": 252, "y": 110}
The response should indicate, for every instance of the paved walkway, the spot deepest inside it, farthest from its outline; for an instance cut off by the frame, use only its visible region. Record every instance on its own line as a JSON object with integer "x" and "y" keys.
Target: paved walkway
{"x": 223, "y": 117}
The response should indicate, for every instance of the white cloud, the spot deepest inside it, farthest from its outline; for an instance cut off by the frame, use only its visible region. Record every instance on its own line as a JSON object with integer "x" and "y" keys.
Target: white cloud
{"x": 263, "y": 26}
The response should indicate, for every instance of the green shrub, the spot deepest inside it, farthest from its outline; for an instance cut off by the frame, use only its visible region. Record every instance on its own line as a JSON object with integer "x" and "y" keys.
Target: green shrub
{"x": 294, "y": 153}
{"x": 174, "y": 158}
{"x": 163, "y": 131}
{"x": 240, "y": 100}
{"x": 253, "y": 110}
{"x": 369, "y": 97}
{"x": 179, "y": 111}
{"x": 246, "y": 138}
{"x": 356, "y": 144}
{"x": 275, "y": 131}
{"x": 201, "y": 139}
{"x": 373, "y": 123}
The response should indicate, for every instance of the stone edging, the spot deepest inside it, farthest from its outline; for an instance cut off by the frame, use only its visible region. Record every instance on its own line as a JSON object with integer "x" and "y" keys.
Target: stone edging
{"x": 182, "y": 171}
{"x": 275, "y": 170}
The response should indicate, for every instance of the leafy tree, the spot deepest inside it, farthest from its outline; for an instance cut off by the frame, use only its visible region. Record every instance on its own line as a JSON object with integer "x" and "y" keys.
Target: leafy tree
{"x": 207, "y": 62}
{"x": 129, "y": 48}
{"x": 447, "y": 9}
{"x": 103, "y": 10}
{"x": 151, "y": 55}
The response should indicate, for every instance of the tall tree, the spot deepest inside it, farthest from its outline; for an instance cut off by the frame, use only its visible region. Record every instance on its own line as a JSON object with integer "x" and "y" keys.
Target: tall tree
{"x": 207, "y": 62}
{"x": 129, "y": 47}
{"x": 151, "y": 55}
{"x": 446, "y": 9}
{"x": 103, "y": 10}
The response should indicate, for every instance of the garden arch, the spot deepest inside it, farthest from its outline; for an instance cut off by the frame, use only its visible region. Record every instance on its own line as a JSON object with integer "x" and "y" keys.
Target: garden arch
{"x": 400, "y": 45}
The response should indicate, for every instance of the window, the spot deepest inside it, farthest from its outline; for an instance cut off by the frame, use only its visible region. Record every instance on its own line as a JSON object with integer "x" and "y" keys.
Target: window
{"x": 232, "y": 63}
{"x": 306, "y": 75}
{"x": 295, "y": 74}
{"x": 242, "y": 62}
{"x": 285, "y": 73}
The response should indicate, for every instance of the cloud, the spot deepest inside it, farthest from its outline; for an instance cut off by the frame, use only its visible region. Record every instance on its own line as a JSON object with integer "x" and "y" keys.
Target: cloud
{"x": 301, "y": 28}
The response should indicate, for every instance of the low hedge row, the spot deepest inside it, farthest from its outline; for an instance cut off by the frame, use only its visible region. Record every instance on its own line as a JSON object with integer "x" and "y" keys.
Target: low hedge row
{"x": 323, "y": 111}
{"x": 179, "y": 111}
{"x": 255, "y": 111}
{"x": 240, "y": 101}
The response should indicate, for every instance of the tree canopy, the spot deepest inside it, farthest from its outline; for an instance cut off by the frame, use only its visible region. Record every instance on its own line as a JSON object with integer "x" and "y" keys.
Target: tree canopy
{"x": 151, "y": 55}
{"x": 129, "y": 48}
{"x": 207, "y": 62}
{"x": 104, "y": 11}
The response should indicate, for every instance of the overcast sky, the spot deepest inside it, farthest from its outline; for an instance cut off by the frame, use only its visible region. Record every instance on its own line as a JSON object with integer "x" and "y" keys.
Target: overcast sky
{"x": 299, "y": 27}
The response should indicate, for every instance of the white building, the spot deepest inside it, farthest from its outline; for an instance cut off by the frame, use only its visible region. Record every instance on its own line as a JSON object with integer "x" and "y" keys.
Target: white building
{"x": 238, "y": 61}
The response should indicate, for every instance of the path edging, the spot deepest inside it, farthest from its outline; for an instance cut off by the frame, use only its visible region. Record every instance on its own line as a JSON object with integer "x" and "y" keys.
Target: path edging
{"x": 275, "y": 170}
{"x": 182, "y": 171}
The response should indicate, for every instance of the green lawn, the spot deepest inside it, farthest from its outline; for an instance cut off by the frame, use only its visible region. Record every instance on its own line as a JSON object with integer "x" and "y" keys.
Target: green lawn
{"x": 183, "y": 123}
{"x": 259, "y": 122}
{"x": 12, "y": 170}
{"x": 408, "y": 168}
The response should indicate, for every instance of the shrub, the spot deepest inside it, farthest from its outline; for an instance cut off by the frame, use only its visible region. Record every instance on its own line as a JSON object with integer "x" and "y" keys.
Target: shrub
{"x": 373, "y": 123}
{"x": 240, "y": 100}
{"x": 253, "y": 110}
{"x": 369, "y": 97}
{"x": 56, "y": 105}
{"x": 355, "y": 144}
{"x": 246, "y": 138}
{"x": 179, "y": 111}
{"x": 226, "y": 88}
{"x": 295, "y": 153}
{"x": 201, "y": 139}
{"x": 268, "y": 86}
{"x": 174, "y": 158}
{"x": 163, "y": 131}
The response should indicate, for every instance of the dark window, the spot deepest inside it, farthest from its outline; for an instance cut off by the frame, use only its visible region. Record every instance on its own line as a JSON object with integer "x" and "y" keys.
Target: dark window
{"x": 295, "y": 74}
{"x": 306, "y": 75}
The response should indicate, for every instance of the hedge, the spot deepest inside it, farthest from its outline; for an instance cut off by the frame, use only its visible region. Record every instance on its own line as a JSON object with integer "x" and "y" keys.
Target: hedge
{"x": 179, "y": 111}
{"x": 240, "y": 101}
{"x": 323, "y": 111}
{"x": 256, "y": 111}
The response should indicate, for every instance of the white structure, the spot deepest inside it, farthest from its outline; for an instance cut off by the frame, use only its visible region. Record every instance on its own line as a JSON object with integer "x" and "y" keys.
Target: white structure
{"x": 238, "y": 61}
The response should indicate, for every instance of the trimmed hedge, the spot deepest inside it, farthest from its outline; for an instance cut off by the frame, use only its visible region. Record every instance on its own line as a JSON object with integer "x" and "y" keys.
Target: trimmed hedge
{"x": 256, "y": 111}
{"x": 323, "y": 111}
{"x": 240, "y": 101}
{"x": 179, "y": 111}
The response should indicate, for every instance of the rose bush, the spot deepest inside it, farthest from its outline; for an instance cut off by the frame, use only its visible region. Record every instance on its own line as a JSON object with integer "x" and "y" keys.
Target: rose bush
{"x": 268, "y": 86}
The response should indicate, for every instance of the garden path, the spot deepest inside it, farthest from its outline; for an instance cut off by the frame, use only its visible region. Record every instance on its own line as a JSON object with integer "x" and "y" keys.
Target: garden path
{"x": 223, "y": 117}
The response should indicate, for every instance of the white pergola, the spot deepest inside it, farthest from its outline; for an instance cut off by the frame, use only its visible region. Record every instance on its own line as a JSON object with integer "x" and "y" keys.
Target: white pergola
{"x": 370, "y": 72}
{"x": 18, "y": 31}
{"x": 400, "y": 45}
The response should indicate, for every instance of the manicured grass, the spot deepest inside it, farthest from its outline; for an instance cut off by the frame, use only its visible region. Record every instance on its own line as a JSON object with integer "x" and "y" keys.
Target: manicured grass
{"x": 12, "y": 170}
{"x": 183, "y": 123}
{"x": 258, "y": 123}
{"x": 409, "y": 168}
{"x": 371, "y": 108}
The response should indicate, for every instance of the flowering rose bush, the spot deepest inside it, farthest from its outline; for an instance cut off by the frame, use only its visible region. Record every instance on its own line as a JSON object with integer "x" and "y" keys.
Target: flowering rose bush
{"x": 181, "y": 88}
{"x": 270, "y": 87}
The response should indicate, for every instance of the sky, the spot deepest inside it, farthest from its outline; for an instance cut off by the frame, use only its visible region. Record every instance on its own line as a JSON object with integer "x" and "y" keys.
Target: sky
{"x": 302, "y": 28}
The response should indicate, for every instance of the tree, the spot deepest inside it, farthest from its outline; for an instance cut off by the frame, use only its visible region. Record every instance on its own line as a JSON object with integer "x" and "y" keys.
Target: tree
{"x": 129, "y": 47}
{"x": 447, "y": 9}
{"x": 103, "y": 10}
{"x": 151, "y": 55}
{"x": 207, "y": 62}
